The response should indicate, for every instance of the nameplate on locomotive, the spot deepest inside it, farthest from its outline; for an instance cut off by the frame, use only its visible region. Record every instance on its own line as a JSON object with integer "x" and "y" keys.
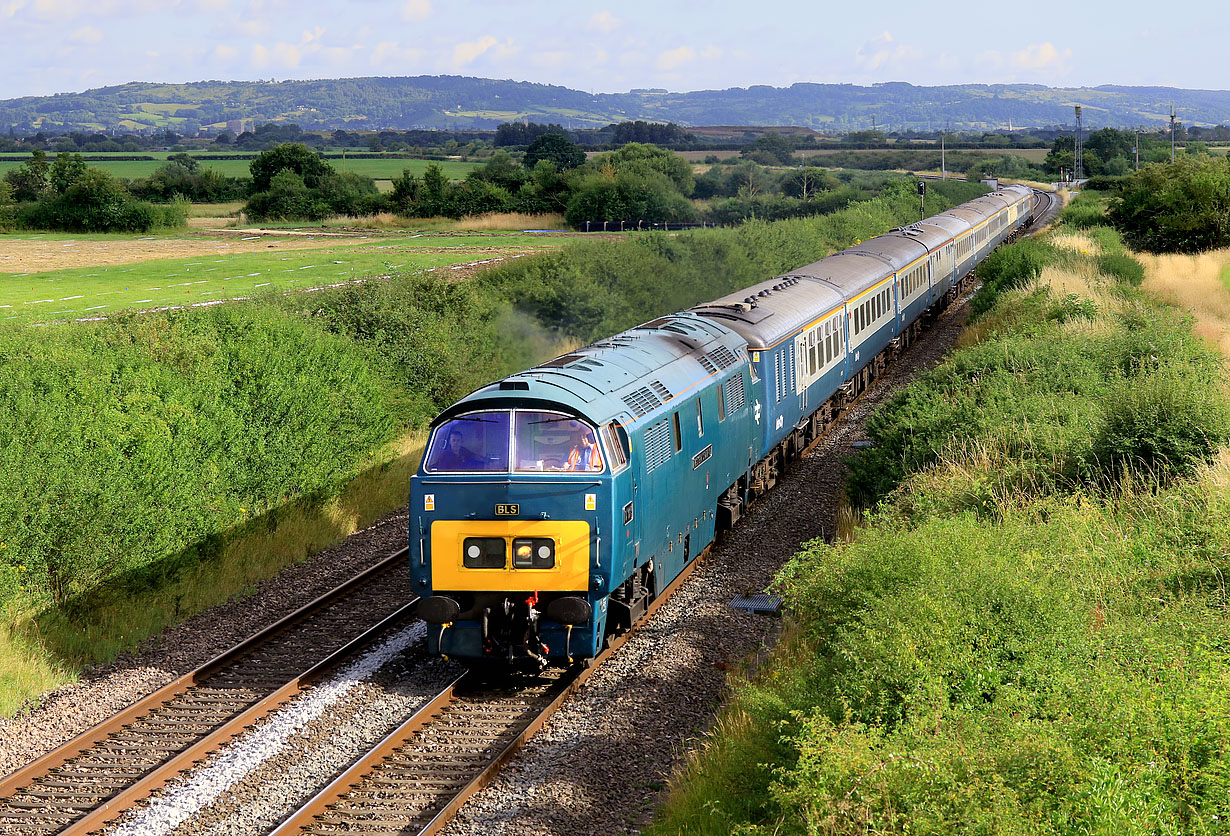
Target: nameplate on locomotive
{"x": 507, "y": 510}
{"x": 702, "y": 457}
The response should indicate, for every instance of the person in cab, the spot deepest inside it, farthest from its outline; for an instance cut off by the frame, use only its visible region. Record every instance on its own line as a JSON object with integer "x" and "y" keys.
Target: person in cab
{"x": 584, "y": 455}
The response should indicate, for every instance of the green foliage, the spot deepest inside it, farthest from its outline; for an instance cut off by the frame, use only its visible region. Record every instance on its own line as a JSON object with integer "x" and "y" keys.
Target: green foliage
{"x": 95, "y": 202}
{"x": 1167, "y": 421}
{"x": 291, "y": 182}
{"x": 30, "y": 181}
{"x": 6, "y": 205}
{"x": 1008, "y": 268}
{"x": 630, "y": 197}
{"x": 294, "y": 156}
{"x": 132, "y": 445}
{"x": 1179, "y": 207}
{"x": 637, "y": 158}
{"x": 1084, "y": 211}
{"x": 556, "y": 149}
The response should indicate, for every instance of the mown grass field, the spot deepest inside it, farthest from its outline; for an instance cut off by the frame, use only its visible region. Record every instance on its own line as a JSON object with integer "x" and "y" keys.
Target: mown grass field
{"x": 41, "y": 296}
{"x": 377, "y": 169}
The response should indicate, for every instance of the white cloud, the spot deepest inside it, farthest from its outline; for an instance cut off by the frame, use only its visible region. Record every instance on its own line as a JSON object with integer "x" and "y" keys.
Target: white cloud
{"x": 260, "y": 56}
{"x": 674, "y": 58}
{"x": 1042, "y": 56}
{"x": 470, "y": 51}
{"x": 85, "y": 35}
{"x": 223, "y": 52}
{"x": 603, "y": 22}
{"x": 416, "y": 10}
{"x": 883, "y": 52}
{"x": 12, "y": 7}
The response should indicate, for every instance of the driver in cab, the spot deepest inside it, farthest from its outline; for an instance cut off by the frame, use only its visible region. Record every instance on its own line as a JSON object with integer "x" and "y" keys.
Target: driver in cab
{"x": 455, "y": 455}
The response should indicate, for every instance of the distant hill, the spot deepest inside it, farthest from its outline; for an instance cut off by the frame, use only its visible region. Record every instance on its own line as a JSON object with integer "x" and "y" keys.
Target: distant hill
{"x": 458, "y": 102}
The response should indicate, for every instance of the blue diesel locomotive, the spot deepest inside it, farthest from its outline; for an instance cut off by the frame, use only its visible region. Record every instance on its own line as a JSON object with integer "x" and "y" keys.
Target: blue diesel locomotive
{"x": 553, "y": 506}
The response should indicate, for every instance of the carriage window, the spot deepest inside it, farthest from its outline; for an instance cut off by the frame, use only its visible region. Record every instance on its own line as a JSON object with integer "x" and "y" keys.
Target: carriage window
{"x": 470, "y": 443}
{"x": 551, "y": 441}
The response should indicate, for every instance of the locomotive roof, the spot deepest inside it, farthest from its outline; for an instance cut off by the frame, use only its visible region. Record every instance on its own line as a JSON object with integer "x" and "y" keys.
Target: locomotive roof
{"x": 629, "y": 377}
{"x": 766, "y": 312}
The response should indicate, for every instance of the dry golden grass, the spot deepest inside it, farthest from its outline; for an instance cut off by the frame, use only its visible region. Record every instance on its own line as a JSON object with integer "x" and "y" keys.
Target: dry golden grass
{"x": 511, "y": 221}
{"x": 1196, "y": 284}
{"x": 1077, "y": 242}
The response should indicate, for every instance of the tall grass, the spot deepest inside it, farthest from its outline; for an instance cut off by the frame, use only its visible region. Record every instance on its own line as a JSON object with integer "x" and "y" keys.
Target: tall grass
{"x": 1195, "y": 283}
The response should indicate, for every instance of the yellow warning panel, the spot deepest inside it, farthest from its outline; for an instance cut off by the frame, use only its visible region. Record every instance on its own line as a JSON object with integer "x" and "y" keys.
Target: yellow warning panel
{"x": 572, "y": 556}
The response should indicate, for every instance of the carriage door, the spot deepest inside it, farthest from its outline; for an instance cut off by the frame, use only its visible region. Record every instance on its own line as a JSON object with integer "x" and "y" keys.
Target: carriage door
{"x": 801, "y": 376}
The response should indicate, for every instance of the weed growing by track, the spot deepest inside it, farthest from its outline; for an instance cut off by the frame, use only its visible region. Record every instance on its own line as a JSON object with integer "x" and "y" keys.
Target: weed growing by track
{"x": 1029, "y": 633}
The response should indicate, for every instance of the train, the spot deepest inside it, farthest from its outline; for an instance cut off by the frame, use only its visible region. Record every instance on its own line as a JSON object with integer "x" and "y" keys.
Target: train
{"x": 553, "y": 506}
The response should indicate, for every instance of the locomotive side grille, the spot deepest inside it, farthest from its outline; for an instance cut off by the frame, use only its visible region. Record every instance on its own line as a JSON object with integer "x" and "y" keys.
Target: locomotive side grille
{"x": 642, "y": 401}
{"x": 734, "y": 394}
{"x": 657, "y": 445}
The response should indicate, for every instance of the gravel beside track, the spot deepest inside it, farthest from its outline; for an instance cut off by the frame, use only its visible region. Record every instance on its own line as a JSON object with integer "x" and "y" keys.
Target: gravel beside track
{"x": 72, "y": 709}
{"x": 601, "y": 763}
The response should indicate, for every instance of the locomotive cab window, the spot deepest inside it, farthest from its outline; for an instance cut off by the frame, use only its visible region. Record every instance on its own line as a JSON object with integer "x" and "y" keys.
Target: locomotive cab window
{"x": 477, "y": 442}
{"x": 551, "y": 441}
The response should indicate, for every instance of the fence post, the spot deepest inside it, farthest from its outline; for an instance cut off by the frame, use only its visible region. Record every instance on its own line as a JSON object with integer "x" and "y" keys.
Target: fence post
{"x": 587, "y": 226}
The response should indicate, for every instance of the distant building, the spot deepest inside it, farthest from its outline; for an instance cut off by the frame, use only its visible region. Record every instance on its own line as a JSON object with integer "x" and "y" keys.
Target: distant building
{"x": 238, "y": 126}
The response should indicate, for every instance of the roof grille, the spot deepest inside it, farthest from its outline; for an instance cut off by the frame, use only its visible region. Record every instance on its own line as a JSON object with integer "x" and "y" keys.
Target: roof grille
{"x": 642, "y": 401}
{"x": 723, "y": 357}
{"x": 663, "y": 392}
{"x": 561, "y": 361}
{"x": 514, "y": 385}
{"x": 706, "y": 363}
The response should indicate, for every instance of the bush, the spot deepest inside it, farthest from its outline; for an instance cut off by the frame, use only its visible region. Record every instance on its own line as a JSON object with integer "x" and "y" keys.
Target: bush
{"x": 1084, "y": 212}
{"x": 96, "y": 202}
{"x": 1009, "y": 268}
{"x": 1178, "y": 207}
{"x": 143, "y": 439}
{"x": 1165, "y": 424}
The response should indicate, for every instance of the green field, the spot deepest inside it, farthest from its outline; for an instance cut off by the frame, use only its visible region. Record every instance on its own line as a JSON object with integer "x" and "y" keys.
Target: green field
{"x": 377, "y": 169}
{"x": 211, "y": 277}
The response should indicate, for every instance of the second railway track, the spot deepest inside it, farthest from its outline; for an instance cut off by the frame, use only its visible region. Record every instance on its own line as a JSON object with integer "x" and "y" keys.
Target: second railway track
{"x": 89, "y": 780}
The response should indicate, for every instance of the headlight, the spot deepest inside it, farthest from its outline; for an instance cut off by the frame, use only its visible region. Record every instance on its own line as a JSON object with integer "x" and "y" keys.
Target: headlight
{"x": 533, "y": 554}
{"x": 483, "y": 553}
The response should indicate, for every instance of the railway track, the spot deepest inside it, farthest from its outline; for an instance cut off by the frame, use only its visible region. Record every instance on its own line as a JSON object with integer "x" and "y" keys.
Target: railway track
{"x": 91, "y": 779}
{"x": 418, "y": 776}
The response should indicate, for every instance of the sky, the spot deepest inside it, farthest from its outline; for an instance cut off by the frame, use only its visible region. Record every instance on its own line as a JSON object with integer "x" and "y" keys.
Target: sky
{"x": 50, "y": 46}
